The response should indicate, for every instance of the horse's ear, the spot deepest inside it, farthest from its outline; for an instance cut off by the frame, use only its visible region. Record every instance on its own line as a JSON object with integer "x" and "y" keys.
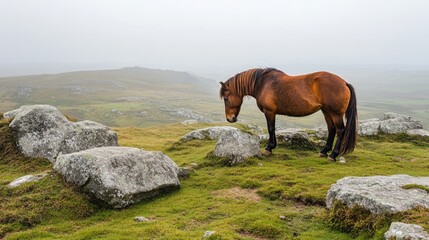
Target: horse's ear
{"x": 223, "y": 85}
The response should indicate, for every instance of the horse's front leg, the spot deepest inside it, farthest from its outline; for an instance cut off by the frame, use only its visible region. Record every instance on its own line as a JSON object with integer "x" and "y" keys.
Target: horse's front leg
{"x": 272, "y": 142}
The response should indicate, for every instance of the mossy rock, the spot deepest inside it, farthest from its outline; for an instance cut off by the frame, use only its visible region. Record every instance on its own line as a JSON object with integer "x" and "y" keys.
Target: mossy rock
{"x": 357, "y": 220}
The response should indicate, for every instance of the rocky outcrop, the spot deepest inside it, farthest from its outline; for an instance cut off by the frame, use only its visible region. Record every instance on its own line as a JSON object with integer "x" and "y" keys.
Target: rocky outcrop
{"x": 294, "y": 137}
{"x": 26, "y": 179}
{"x": 119, "y": 176}
{"x": 379, "y": 194}
{"x": 419, "y": 132}
{"x": 319, "y": 133}
{"x": 237, "y": 146}
{"x": 184, "y": 113}
{"x": 389, "y": 123}
{"x": 208, "y": 133}
{"x": 42, "y": 131}
{"x": 87, "y": 134}
{"x": 403, "y": 231}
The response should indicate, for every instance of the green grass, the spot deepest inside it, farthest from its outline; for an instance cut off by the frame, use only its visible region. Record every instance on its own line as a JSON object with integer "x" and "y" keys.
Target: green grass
{"x": 291, "y": 183}
{"x": 416, "y": 186}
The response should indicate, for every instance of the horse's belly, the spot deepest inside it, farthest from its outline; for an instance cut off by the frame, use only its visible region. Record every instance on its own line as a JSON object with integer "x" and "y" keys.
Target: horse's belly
{"x": 296, "y": 109}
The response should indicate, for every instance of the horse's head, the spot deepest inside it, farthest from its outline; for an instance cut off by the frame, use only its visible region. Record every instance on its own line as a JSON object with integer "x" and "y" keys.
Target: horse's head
{"x": 232, "y": 103}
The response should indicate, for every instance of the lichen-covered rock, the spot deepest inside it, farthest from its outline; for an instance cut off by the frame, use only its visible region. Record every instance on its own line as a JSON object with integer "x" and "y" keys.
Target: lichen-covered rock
{"x": 25, "y": 179}
{"x": 319, "y": 133}
{"x": 419, "y": 132}
{"x": 403, "y": 231}
{"x": 379, "y": 194}
{"x": 207, "y": 133}
{"x": 294, "y": 137}
{"x": 88, "y": 134}
{"x": 119, "y": 176}
{"x": 12, "y": 113}
{"x": 42, "y": 131}
{"x": 237, "y": 146}
{"x": 389, "y": 123}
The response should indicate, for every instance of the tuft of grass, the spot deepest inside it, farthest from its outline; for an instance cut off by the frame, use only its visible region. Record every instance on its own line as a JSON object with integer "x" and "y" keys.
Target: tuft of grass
{"x": 421, "y": 141}
{"x": 418, "y": 215}
{"x": 356, "y": 220}
{"x": 71, "y": 118}
{"x": 361, "y": 223}
{"x": 416, "y": 186}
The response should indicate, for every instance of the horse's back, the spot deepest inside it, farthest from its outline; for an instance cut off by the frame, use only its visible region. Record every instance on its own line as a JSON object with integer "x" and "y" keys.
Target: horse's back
{"x": 296, "y": 96}
{"x": 332, "y": 91}
{"x": 305, "y": 94}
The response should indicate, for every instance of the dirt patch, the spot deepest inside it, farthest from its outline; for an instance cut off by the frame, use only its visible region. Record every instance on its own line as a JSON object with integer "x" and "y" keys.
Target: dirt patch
{"x": 251, "y": 236}
{"x": 238, "y": 193}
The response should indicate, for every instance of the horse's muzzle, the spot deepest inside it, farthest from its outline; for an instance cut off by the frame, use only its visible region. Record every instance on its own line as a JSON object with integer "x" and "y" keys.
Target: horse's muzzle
{"x": 233, "y": 120}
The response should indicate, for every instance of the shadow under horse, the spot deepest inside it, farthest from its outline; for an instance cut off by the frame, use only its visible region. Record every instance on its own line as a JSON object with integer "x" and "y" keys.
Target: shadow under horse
{"x": 278, "y": 93}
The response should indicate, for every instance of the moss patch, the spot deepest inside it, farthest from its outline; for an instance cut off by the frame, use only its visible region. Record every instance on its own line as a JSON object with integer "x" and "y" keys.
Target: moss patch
{"x": 416, "y": 186}
{"x": 356, "y": 220}
{"x": 361, "y": 222}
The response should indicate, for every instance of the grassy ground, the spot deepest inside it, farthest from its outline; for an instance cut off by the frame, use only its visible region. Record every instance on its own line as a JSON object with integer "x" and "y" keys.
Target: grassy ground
{"x": 241, "y": 202}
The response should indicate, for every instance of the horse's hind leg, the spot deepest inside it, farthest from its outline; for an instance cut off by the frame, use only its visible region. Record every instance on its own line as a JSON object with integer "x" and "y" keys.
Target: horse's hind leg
{"x": 331, "y": 135}
{"x": 339, "y": 125}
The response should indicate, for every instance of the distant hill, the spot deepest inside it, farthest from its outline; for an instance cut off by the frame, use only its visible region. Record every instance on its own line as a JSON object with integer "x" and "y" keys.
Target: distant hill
{"x": 133, "y": 96}
{"x": 142, "y": 97}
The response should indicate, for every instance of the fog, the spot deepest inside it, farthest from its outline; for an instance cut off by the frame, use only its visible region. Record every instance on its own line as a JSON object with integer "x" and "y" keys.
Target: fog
{"x": 211, "y": 37}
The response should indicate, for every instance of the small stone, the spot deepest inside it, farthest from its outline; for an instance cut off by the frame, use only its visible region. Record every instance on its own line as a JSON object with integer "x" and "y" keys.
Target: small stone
{"x": 184, "y": 172}
{"x": 343, "y": 160}
{"x": 283, "y": 218}
{"x": 403, "y": 231}
{"x": 260, "y": 164}
{"x": 25, "y": 179}
{"x": 208, "y": 234}
{"x": 141, "y": 219}
{"x": 188, "y": 122}
{"x": 194, "y": 165}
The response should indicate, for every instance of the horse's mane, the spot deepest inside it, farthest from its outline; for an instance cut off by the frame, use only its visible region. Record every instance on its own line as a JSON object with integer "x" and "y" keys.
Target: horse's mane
{"x": 247, "y": 82}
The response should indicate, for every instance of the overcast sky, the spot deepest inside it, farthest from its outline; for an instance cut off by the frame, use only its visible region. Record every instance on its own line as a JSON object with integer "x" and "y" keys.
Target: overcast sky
{"x": 194, "y": 35}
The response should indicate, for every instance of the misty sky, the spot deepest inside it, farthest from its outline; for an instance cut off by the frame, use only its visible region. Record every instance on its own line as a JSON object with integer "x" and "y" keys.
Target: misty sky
{"x": 193, "y": 35}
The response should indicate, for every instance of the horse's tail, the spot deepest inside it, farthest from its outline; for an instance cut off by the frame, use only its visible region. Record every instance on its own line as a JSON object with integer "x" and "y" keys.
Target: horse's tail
{"x": 350, "y": 133}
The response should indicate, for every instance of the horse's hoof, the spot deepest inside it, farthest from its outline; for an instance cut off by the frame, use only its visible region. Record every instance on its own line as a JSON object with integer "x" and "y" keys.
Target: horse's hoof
{"x": 267, "y": 153}
{"x": 323, "y": 155}
{"x": 332, "y": 159}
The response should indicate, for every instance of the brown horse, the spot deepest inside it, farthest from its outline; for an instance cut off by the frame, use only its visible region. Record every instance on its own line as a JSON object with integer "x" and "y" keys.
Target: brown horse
{"x": 277, "y": 93}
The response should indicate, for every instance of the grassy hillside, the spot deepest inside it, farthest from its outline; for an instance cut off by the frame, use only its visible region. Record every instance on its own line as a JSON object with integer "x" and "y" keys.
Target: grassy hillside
{"x": 121, "y": 97}
{"x": 241, "y": 202}
{"x": 142, "y": 97}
